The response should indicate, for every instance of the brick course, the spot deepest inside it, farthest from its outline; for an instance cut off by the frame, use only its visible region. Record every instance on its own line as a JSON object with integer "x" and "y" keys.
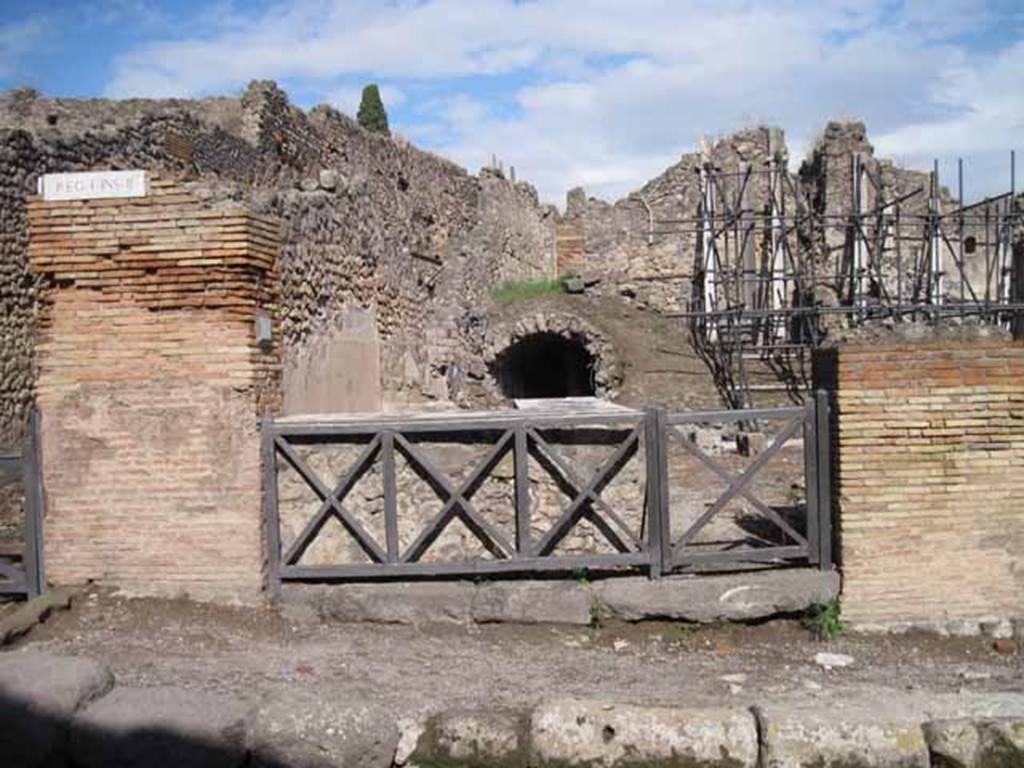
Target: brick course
{"x": 150, "y": 385}
{"x": 931, "y": 477}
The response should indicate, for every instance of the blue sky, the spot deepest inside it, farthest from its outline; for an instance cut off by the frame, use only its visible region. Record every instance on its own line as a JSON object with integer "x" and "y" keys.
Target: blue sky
{"x": 599, "y": 93}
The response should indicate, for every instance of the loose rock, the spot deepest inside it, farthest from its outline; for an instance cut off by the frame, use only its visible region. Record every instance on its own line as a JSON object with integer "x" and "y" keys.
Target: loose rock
{"x": 833, "y": 660}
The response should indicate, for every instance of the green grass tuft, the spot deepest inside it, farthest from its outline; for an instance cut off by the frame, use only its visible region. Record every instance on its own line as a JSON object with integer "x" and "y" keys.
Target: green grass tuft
{"x": 526, "y": 289}
{"x": 823, "y": 619}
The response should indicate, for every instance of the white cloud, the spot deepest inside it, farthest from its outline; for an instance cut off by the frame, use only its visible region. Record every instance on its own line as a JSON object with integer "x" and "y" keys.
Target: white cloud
{"x": 987, "y": 104}
{"x": 607, "y": 93}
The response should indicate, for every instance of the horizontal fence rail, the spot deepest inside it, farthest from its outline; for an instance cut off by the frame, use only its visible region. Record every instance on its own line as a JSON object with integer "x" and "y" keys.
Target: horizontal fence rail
{"x": 622, "y": 496}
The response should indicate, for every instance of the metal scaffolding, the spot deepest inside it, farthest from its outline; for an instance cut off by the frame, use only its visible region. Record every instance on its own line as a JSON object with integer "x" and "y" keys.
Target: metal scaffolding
{"x": 775, "y": 271}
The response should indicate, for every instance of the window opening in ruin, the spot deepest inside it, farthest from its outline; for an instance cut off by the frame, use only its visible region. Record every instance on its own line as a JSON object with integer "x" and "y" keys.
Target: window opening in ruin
{"x": 545, "y": 365}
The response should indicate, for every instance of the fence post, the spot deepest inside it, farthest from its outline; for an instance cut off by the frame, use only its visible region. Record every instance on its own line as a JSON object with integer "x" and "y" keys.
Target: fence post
{"x": 270, "y": 510}
{"x": 387, "y": 458}
{"x": 824, "y": 467}
{"x": 811, "y": 483}
{"x": 32, "y": 474}
{"x": 659, "y": 536}
{"x": 1017, "y": 289}
{"x": 524, "y": 545}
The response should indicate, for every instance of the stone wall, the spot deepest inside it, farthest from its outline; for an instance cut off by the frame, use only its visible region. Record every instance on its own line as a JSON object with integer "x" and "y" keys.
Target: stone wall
{"x": 151, "y": 381}
{"x": 40, "y": 136}
{"x": 377, "y": 228}
{"x": 930, "y": 477}
{"x": 142, "y": 369}
{"x": 618, "y": 250}
{"x": 372, "y": 227}
{"x": 639, "y": 246}
{"x": 17, "y": 293}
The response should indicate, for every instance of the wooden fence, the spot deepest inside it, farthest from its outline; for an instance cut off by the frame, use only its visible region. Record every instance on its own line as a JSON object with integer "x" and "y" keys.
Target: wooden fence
{"x": 639, "y": 532}
{"x": 21, "y": 562}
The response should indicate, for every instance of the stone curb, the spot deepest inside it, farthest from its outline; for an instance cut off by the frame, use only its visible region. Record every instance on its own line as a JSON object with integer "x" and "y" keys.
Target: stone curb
{"x": 63, "y": 711}
{"x": 600, "y": 734}
{"x": 709, "y": 598}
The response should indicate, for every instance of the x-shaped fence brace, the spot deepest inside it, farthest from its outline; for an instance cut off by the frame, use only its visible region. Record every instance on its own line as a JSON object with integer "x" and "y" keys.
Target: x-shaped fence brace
{"x": 737, "y": 483}
{"x": 585, "y": 495}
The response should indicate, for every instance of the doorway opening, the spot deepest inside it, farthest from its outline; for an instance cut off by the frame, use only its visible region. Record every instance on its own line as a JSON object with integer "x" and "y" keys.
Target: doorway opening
{"x": 545, "y": 364}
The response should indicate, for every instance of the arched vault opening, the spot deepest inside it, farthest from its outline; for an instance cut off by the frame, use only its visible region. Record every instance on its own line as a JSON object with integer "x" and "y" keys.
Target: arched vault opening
{"x": 545, "y": 364}
{"x": 550, "y": 355}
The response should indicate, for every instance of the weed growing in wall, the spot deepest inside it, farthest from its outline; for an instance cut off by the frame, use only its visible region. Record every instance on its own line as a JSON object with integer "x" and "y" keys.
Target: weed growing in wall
{"x": 526, "y": 289}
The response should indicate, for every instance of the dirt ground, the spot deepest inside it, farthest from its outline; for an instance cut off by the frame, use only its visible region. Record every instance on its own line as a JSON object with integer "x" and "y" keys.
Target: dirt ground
{"x": 256, "y": 653}
{"x": 345, "y": 692}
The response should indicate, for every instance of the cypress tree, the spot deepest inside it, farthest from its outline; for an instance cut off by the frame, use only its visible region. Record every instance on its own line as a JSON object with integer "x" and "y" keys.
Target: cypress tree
{"x": 371, "y": 113}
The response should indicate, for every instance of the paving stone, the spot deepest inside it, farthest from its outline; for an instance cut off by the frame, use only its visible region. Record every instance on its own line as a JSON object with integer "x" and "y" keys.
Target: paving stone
{"x": 303, "y": 728}
{"x": 976, "y": 743}
{"x": 570, "y": 732}
{"x": 161, "y": 726}
{"x": 473, "y": 738}
{"x": 797, "y": 736}
{"x": 1002, "y": 742}
{"x": 39, "y": 694}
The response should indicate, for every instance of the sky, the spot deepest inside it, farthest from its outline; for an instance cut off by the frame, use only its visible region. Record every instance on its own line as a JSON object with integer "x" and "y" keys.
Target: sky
{"x": 603, "y": 94}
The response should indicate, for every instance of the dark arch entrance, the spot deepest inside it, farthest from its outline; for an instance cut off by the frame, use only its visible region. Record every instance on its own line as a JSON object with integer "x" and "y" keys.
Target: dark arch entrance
{"x": 545, "y": 365}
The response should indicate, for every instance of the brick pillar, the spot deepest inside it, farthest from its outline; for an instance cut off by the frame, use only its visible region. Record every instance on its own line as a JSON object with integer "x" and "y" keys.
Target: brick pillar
{"x": 931, "y": 479}
{"x": 151, "y": 383}
{"x": 570, "y": 246}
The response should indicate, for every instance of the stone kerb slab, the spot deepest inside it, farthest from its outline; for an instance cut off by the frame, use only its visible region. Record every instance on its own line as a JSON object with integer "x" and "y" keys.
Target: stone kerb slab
{"x": 704, "y": 599}
{"x": 571, "y": 732}
{"x": 62, "y": 711}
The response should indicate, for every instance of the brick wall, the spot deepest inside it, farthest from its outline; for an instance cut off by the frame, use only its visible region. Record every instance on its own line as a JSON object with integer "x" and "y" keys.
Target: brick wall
{"x": 569, "y": 246}
{"x": 150, "y": 385}
{"x": 931, "y": 477}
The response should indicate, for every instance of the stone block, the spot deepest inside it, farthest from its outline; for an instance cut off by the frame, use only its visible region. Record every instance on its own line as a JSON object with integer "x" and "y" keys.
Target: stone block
{"x": 569, "y": 732}
{"x": 328, "y": 179}
{"x": 153, "y": 727}
{"x": 976, "y": 743}
{"x": 733, "y": 597}
{"x": 39, "y": 694}
{"x": 798, "y": 736}
{"x": 474, "y": 738}
{"x": 553, "y": 602}
{"x": 573, "y": 284}
{"x": 394, "y": 603}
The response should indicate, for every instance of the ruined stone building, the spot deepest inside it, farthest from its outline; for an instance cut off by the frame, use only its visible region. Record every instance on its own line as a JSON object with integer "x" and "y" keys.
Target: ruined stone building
{"x": 389, "y": 254}
{"x": 288, "y": 263}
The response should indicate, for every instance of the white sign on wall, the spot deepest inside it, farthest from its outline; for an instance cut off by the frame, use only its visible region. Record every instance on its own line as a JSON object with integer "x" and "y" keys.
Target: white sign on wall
{"x": 92, "y": 185}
